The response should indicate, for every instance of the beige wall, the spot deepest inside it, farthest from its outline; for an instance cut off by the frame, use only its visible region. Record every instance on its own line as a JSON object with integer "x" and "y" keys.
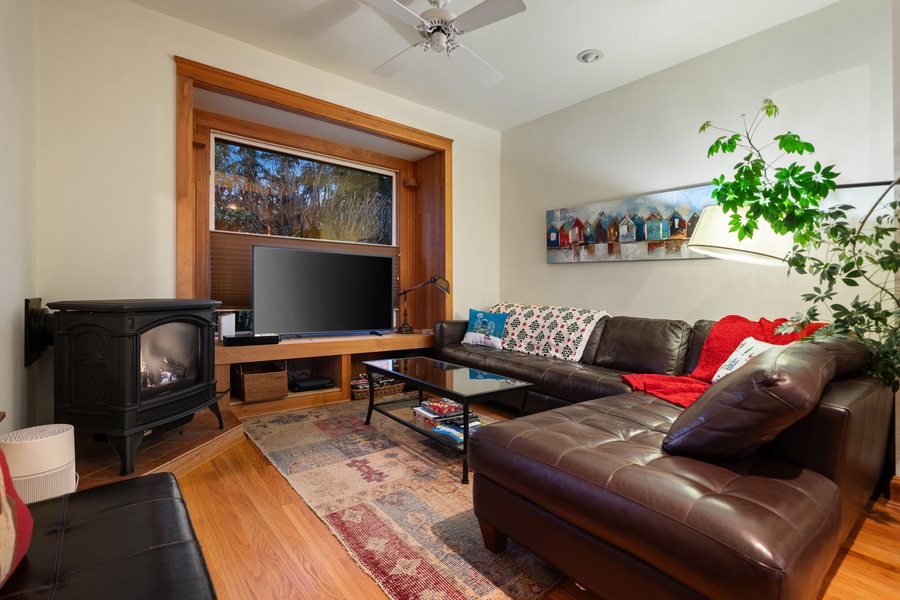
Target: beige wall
{"x": 107, "y": 90}
{"x": 829, "y": 72}
{"x": 18, "y": 52}
{"x": 833, "y": 77}
{"x": 101, "y": 144}
{"x": 106, "y": 147}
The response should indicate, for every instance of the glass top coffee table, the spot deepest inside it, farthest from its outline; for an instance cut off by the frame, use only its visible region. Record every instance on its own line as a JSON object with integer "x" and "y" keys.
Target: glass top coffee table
{"x": 463, "y": 385}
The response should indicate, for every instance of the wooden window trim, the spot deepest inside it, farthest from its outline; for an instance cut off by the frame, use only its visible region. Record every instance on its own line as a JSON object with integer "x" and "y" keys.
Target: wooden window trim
{"x": 239, "y": 245}
{"x": 425, "y": 219}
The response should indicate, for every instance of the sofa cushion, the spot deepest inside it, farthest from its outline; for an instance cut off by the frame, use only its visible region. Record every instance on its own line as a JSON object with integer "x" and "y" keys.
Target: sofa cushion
{"x": 573, "y": 382}
{"x": 699, "y": 332}
{"x": 583, "y": 382}
{"x": 467, "y": 355}
{"x": 640, "y": 345}
{"x": 850, "y": 356}
{"x": 743, "y": 411}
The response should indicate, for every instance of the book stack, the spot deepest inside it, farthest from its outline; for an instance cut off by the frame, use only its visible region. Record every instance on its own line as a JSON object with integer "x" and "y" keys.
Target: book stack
{"x": 362, "y": 382}
{"x": 444, "y": 417}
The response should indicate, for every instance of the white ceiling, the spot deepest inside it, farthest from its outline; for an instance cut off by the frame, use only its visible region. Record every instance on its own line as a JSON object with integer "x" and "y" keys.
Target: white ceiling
{"x": 535, "y": 50}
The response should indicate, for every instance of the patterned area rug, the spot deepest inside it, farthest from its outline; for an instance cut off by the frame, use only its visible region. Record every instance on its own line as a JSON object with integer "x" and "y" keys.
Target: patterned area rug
{"x": 394, "y": 499}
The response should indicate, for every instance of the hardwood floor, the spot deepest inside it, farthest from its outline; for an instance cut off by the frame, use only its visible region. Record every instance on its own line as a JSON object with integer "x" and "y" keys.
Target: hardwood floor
{"x": 262, "y": 542}
{"x": 177, "y": 450}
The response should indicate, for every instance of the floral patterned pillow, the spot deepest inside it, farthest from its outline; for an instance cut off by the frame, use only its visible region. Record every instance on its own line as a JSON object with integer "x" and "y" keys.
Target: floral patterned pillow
{"x": 557, "y": 331}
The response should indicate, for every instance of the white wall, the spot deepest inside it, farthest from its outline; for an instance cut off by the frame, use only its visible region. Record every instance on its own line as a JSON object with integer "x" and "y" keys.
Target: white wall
{"x": 106, "y": 203}
{"x": 107, "y": 111}
{"x": 829, "y": 72}
{"x": 18, "y": 51}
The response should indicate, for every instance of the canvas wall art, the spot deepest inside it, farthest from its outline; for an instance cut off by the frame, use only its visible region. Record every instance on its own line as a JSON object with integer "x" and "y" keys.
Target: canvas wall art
{"x": 649, "y": 227}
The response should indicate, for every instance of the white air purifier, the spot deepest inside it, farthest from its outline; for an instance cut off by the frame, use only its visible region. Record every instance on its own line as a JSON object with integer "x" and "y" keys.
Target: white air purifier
{"x": 41, "y": 461}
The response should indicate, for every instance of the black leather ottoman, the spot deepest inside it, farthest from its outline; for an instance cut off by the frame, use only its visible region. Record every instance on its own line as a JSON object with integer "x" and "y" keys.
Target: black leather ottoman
{"x": 130, "y": 539}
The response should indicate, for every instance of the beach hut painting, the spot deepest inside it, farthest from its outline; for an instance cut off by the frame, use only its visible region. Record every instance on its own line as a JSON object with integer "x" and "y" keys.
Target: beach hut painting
{"x": 649, "y": 227}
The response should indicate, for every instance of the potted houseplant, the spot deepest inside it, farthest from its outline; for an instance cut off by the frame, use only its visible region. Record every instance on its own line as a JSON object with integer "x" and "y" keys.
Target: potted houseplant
{"x": 838, "y": 250}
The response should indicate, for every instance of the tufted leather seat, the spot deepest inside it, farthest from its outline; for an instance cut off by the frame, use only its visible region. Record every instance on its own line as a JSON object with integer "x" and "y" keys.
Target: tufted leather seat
{"x": 599, "y": 466}
{"x": 129, "y": 539}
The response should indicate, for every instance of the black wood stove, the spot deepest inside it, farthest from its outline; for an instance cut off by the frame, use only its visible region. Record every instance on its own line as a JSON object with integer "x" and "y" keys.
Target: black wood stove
{"x": 126, "y": 368}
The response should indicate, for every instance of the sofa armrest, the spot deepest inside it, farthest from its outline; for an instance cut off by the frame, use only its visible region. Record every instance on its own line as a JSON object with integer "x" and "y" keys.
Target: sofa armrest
{"x": 129, "y": 539}
{"x": 448, "y": 332}
{"x": 844, "y": 438}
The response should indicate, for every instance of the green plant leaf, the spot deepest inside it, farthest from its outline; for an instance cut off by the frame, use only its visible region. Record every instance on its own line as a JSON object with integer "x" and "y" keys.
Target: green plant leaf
{"x": 828, "y": 245}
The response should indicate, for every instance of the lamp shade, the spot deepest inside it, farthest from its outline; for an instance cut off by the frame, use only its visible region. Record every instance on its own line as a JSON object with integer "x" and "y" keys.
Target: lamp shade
{"x": 712, "y": 237}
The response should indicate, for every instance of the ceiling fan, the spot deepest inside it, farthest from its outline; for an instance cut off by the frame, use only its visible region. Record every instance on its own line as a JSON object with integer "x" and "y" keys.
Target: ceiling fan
{"x": 441, "y": 30}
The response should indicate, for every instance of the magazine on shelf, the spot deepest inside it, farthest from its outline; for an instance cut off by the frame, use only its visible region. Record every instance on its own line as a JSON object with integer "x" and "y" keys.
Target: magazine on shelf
{"x": 453, "y": 432}
{"x": 429, "y": 419}
{"x": 441, "y": 406}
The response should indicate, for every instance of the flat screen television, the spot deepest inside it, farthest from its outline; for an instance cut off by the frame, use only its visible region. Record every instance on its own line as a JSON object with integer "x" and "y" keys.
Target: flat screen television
{"x": 299, "y": 292}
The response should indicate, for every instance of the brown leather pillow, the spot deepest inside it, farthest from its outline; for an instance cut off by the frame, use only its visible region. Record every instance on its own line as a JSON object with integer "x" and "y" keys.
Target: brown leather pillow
{"x": 747, "y": 408}
{"x": 850, "y": 355}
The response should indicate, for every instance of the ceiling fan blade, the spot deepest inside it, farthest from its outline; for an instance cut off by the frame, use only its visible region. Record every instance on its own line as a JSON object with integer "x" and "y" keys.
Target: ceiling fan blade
{"x": 489, "y": 11}
{"x": 396, "y": 10}
{"x": 396, "y": 64}
{"x": 486, "y": 74}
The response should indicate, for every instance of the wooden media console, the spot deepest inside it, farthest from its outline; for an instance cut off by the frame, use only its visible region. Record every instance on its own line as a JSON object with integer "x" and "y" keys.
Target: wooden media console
{"x": 337, "y": 357}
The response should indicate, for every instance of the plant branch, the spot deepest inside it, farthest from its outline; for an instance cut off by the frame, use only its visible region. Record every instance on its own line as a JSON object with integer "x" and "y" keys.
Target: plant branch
{"x": 788, "y": 198}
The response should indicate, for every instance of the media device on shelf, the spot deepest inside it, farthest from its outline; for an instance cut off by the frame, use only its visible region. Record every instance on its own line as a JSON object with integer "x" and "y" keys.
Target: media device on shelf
{"x": 299, "y": 292}
{"x": 248, "y": 339}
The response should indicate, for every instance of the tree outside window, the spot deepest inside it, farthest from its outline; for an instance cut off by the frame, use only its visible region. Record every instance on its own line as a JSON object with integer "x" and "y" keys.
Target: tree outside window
{"x": 264, "y": 191}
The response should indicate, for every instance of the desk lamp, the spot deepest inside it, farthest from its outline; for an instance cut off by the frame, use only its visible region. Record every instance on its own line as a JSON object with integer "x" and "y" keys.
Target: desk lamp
{"x": 441, "y": 283}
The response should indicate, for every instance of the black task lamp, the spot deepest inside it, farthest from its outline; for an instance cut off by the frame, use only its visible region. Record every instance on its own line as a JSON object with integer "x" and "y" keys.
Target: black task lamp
{"x": 441, "y": 283}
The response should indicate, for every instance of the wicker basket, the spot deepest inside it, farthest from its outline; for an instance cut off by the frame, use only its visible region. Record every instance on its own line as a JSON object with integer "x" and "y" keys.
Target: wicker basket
{"x": 259, "y": 382}
{"x": 380, "y": 392}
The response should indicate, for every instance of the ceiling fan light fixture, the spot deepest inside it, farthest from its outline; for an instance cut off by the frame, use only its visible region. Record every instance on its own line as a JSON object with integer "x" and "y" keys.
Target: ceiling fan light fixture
{"x": 441, "y": 29}
{"x": 589, "y": 56}
{"x": 438, "y": 41}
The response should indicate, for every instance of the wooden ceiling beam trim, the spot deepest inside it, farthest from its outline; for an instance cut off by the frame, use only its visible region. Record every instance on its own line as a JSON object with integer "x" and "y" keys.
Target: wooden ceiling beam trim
{"x": 232, "y": 84}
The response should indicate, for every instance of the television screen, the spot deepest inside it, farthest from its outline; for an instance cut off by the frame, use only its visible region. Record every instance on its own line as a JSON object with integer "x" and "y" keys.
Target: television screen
{"x": 313, "y": 292}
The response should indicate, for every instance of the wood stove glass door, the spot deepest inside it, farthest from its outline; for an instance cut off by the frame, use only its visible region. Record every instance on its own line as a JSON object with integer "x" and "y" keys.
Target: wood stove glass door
{"x": 170, "y": 358}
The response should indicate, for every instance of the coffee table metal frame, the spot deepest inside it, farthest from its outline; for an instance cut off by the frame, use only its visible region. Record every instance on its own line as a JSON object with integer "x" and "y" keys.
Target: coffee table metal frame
{"x": 423, "y": 385}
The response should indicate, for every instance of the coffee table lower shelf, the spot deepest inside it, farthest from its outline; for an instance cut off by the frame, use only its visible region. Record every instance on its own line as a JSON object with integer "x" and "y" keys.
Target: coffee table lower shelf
{"x": 460, "y": 384}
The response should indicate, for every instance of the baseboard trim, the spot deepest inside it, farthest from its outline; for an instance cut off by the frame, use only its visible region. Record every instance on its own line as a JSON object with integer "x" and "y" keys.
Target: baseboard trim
{"x": 184, "y": 464}
{"x": 894, "y": 492}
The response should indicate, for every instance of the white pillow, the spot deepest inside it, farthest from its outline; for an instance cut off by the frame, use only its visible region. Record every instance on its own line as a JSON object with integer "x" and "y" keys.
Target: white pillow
{"x": 747, "y": 349}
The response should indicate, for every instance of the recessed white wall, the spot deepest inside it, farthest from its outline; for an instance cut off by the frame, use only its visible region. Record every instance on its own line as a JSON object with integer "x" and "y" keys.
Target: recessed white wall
{"x": 18, "y": 52}
{"x": 106, "y": 146}
{"x": 829, "y": 72}
{"x": 106, "y": 206}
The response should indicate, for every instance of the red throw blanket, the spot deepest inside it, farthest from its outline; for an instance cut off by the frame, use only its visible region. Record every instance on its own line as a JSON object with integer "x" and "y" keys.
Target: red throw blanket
{"x": 723, "y": 339}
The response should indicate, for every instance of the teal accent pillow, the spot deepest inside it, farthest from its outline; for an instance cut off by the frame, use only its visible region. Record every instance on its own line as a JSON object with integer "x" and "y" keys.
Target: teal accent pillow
{"x": 485, "y": 328}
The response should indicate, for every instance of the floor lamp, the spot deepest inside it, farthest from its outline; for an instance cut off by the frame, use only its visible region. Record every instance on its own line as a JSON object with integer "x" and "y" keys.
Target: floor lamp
{"x": 441, "y": 283}
{"x": 712, "y": 237}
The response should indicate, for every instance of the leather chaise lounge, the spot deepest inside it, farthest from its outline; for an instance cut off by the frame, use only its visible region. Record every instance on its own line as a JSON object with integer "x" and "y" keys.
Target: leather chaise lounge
{"x": 747, "y": 493}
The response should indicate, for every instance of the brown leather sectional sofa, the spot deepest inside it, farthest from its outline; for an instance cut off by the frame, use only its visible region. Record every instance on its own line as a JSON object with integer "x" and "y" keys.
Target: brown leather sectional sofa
{"x": 737, "y": 496}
